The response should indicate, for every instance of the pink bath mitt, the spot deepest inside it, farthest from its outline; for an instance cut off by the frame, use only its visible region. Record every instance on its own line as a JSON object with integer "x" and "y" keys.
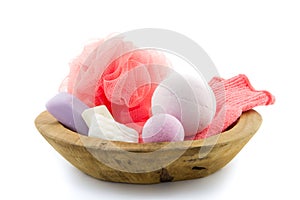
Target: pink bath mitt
{"x": 233, "y": 96}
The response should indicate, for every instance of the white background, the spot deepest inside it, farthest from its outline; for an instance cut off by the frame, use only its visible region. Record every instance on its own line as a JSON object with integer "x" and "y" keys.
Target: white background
{"x": 258, "y": 38}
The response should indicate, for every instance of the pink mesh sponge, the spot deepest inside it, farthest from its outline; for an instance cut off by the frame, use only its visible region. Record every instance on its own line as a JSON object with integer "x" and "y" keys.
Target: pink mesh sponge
{"x": 127, "y": 84}
{"x": 124, "y": 85}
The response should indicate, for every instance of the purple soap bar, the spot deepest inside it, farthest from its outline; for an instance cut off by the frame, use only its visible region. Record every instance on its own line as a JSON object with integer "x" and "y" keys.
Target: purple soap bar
{"x": 67, "y": 109}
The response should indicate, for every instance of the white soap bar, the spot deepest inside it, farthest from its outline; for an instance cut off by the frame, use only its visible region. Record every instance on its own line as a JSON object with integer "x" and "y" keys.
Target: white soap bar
{"x": 102, "y": 125}
{"x": 88, "y": 114}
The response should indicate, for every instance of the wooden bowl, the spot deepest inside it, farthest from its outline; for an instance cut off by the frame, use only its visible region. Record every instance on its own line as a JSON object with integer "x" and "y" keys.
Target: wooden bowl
{"x": 151, "y": 162}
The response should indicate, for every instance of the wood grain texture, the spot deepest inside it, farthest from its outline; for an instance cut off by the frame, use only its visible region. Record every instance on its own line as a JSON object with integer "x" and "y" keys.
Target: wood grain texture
{"x": 152, "y": 162}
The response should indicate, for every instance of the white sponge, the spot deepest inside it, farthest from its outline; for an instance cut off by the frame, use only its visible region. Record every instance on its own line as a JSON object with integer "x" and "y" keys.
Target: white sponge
{"x": 187, "y": 97}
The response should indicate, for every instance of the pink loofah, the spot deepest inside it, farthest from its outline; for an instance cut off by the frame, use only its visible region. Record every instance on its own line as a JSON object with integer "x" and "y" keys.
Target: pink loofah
{"x": 124, "y": 83}
{"x": 126, "y": 86}
{"x": 79, "y": 63}
{"x": 87, "y": 68}
{"x": 233, "y": 97}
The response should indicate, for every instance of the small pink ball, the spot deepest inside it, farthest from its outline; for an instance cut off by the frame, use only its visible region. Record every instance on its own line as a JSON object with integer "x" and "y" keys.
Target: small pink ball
{"x": 162, "y": 128}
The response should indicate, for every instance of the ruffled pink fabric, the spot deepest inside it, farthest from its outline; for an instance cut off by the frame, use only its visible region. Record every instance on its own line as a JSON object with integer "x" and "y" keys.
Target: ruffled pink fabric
{"x": 233, "y": 96}
{"x": 125, "y": 84}
{"x": 87, "y": 68}
{"x": 78, "y": 64}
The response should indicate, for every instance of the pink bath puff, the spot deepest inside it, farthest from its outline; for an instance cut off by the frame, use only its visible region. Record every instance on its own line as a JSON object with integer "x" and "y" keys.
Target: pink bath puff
{"x": 162, "y": 128}
{"x": 87, "y": 68}
{"x": 108, "y": 73}
{"x": 127, "y": 84}
{"x": 77, "y": 66}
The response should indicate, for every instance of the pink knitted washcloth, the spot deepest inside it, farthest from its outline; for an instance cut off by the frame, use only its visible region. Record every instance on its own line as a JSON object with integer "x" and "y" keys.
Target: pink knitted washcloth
{"x": 233, "y": 96}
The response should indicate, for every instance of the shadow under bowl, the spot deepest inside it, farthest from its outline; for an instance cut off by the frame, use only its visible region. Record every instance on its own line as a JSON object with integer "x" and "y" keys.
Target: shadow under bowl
{"x": 150, "y": 162}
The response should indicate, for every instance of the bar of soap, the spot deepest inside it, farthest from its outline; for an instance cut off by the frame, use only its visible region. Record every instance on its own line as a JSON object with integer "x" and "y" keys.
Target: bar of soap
{"x": 67, "y": 109}
{"x": 187, "y": 97}
{"x": 102, "y": 125}
{"x": 162, "y": 128}
{"x": 89, "y": 114}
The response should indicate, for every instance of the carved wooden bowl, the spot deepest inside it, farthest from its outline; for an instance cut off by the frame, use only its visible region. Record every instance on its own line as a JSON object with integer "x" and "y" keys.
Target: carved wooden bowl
{"x": 151, "y": 162}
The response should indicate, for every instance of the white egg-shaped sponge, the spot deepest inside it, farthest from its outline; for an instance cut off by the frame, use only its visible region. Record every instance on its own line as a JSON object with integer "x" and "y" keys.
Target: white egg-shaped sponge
{"x": 187, "y": 97}
{"x": 162, "y": 128}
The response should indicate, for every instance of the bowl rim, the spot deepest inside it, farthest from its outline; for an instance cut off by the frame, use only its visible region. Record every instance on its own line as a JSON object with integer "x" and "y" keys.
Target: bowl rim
{"x": 248, "y": 123}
